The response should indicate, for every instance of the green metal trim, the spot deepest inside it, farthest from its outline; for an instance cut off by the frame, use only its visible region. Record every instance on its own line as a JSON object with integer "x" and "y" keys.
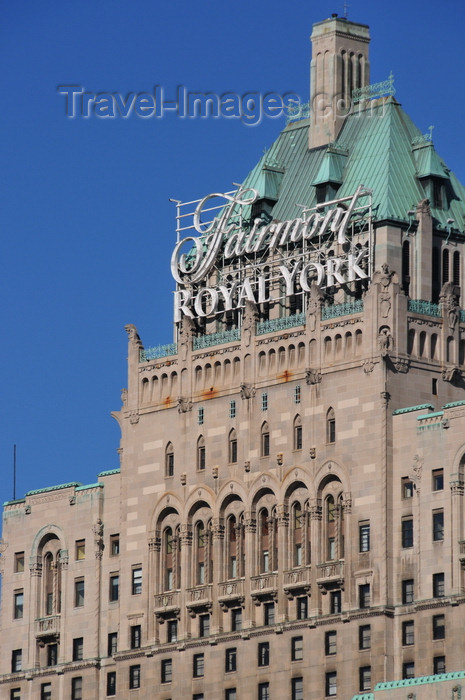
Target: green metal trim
{"x": 453, "y": 404}
{"x": 109, "y": 472}
{"x": 426, "y": 308}
{"x": 371, "y": 92}
{"x": 297, "y": 110}
{"x": 207, "y": 341}
{"x": 157, "y": 352}
{"x": 422, "y": 680}
{"x": 280, "y": 324}
{"x": 410, "y": 409}
{"x": 12, "y": 503}
{"x": 462, "y": 316}
{"x": 89, "y": 486}
{"x": 438, "y": 414}
{"x": 336, "y": 310}
{"x": 364, "y": 696}
{"x": 54, "y": 488}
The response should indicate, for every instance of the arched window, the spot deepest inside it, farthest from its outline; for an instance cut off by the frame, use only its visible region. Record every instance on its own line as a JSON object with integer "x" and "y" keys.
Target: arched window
{"x": 201, "y": 453}
{"x": 436, "y": 283}
{"x": 168, "y": 559}
{"x": 445, "y": 266}
{"x": 297, "y": 527}
{"x": 456, "y": 268}
{"x": 264, "y": 541}
{"x": 406, "y": 267}
{"x": 169, "y": 460}
{"x": 265, "y": 440}
{"x": 297, "y": 433}
{"x": 200, "y": 552}
{"x": 330, "y": 426}
{"x": 232, "y": 449}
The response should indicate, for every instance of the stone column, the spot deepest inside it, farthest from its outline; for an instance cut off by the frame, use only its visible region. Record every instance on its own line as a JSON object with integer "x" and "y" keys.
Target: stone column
{"x": 282, "y": 563}
{"x": 250, "y": 526}
{"x": 217, "y": 531}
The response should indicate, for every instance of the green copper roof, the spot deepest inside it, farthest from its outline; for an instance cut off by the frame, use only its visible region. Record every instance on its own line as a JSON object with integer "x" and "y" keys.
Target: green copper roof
{"x": 72, "y": 484}
{"x": 409, "y": 409}
{"x": 378, "y": 147}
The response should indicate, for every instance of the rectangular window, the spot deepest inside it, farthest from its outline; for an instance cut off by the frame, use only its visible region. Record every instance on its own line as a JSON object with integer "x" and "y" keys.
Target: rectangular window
{"x": 201, "y": 457}
{"x": 263, "y": 691}
{"x": 230, "y": 694}
{"x": 232, "y": 409}
{"x": 331, "y": 548}
{"x": 172, "y": 631}
{"x": 114, "y": 545}
{"x": 297, "y": 688}
{"x": 407, "y": 487}
{"x": 112, "y": 643}
{"x": 439, "y": 627}
{"x": 16, "y": 660}
{"x": 197, "y": 696}
{"x": 438, "y": 525}
{"x": 264, "y": 654}
{"x": 408, "y": 636}
{"x": 169, "y": 463}
{"x": 297, "y": 437}
{"x": 15, "y": 694}
{"x": 364, "y": 595}
{"x": 407, "y": 591}
{"x": 137, "y": 581}
{"x": 302, "y": 607}
{"x": 200, "y": 416}
{"x": 297, "y": 648}
{"x": 19, "y": 562}
{"x": 236, "y": 619}
{"x": 18, "y": 607}
{"x": 439, "y": 664}
{"x": 233, "y": 450}
{"x": 407, "y": 532}
{"x": 166, "y": 670}
{"x": 364, "y": 637}
{"x": 438, "y": 585}
{"x": 298, "y": 555}
{"x": 76, "y": 688}
{"x": 264, "y": 401}
{"x": 268, "y": 613}
{"x": 114, "y": 587}
{"x": 198, "y": 665}
{"x": 80, "y": 549}
{"x": 46, "y": 691}
{"x": 297, "y": 394}
{"x": 52, "y": 654}
{"x": 78, "y": 649}
{"x": 134, "y": 677}
{"x": 408, "y": 670}
{"x": 136, "y": 636}
{"x": 111, "y": 683}
{"x": 330, "y": 643}
{"x": 438, "y": 479}
{"x": 335, "y": 602}
{"x": 78, "y": 592}
{"x": 204, "y": 625}
{"x": 265, "y": 444}
{"x": 365, "y": 678}
{"x": 331, "y": 429}
{"x": 331, "y": 684}
{"x": 230, "y": 659}
{"x": 364, "y": 537}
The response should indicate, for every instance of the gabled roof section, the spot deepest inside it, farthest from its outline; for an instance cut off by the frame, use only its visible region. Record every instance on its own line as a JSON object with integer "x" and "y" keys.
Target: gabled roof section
{"x": 428, "y": 162}
{"x": 332, "y": 167}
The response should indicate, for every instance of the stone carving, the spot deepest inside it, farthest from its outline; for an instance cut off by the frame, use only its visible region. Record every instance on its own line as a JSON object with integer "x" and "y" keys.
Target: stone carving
{"x": 134, "y": 417}
{"x": 184, "y": 405}
{"x": 124, "y": 396}
{"x": 97, "y": 529}
{"x": 313, "y": 307}
{"x": 402, "y": 365}
{"x": 385, "y": 397}
{"x": 449, "y": 374}
{"x": 131, "y": 330}
{"x": 312, "y": 376}
{"x": 449, "y": 299}
{"x": 186, "y": 332}
{"x": 368, "y": 366}
{"x": 249, "y": 319}
{"x": 247, "y": 391}
{"x": 385, "y": 340}
{"x": 417, "y": 468}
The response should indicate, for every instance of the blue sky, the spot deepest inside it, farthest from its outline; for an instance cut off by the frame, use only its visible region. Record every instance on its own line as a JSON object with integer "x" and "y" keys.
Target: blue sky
{"x": 87, "y": 226}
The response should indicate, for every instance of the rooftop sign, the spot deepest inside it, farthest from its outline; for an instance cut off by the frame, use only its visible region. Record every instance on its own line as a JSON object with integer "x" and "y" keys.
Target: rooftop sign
{"x": 233, "y": 259}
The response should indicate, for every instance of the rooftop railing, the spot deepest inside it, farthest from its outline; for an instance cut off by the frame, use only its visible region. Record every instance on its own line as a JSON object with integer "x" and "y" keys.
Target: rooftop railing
{"x": 426, "y": 308}
{"x": 211, "y": 339}
{"x": 336, "y": 310}
{"x": 280, "y": 324}
{"x": 158, "y": 351}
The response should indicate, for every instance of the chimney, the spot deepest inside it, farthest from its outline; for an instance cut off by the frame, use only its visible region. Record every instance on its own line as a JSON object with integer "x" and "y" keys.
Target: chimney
{"x": 339, "y": 65}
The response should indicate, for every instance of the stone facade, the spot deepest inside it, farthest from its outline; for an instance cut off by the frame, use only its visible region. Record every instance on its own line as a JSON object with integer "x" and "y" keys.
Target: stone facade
{"x": 287, "y": 519}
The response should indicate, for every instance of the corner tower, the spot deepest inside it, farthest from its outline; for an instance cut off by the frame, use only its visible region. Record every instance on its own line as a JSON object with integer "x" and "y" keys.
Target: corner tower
{"x": 339, "y": 65}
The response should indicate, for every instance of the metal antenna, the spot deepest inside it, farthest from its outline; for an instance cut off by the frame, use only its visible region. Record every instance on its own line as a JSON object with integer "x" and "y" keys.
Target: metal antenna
{"x": 346, "y": 6}
{"x": 14, "y": 472}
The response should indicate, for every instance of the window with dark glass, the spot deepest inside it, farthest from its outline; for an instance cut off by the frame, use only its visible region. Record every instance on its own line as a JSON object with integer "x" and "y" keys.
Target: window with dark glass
{"x": 268, "y": 613}
{"x": 302, "y": 607}
{"x": 264, "y": 401}
{"x": 438, "y": 479}
{"x": 439, "y": 664}
{"x": 78, "y": 648}
{"x": 365, "y": 678}
{"x": 439, "y": 627}
{"x": 112, "y": 643}
{"x": 407, "y": 591}
{"x": 407, "y": 532}
{"x": 52, "y": 654}
{"x": 134, "y": 676}
{"x": 172, "y": 631}
{"x": 408, "y": 670}
{"x": 19, "y": 562}
{"x": 331, "y": 426}
{"x": 137, "y": 580}
{"x": 364, "y": 595}
{"x": 114, "y": 587}
{"x": 335, "y": 602}
{"x": 331, "y": 684}
{"x": 76, "y": 688}
{"x": 297, "y": 688}
{"x": 263, "y": 691}
{"x": 264, "y": 654}
{"x": 265, "y": 440}
{"x": 330, "y": 642}
{"x": 136, "y": 636}
{"x": 230, "y": 694}
{"x": 46, "y": 691}
{"x": 297, "y": 394}
{"x": 15, "y": 694}
{"x": 438, "y": 585}
{"x": 230, "y": 659}
{"x": 18, "y": 608}
{"x": 201, "y": 456}
{"x": 111, "y": 683}
{"x": 232, "y": 447}
{"x": 232, "y": 409}
{"x": 169, "y": 460}
{"x": 197, "y": 696}
{"x": 200, "y": 416}
{"x": 198, "y": 665}
{"x": 364, "y": 637}
{"x": 236, "y": 619}
{"x": 166, "y": 670}
{"x": 79, "y": 593}
{"x": 364, "y": 537}
{"x": 204, "y": 625}
{"x": 438, "y": 525}
{"x": 16, "y": 660}
{"x": 407, "y": 487}
{"x": 297, "y": 433}
{"x": 114, "y": 545}
{"x": 297, "y": 648}
{"x": 408, "y": 636}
